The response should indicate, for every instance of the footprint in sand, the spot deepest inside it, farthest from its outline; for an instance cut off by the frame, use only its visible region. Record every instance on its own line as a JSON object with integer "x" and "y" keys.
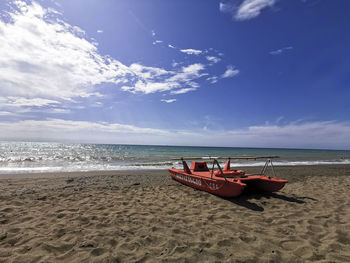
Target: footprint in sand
{"x": 343, "y": 237}
{"x": 98, "y": 252}
{"x": 304, "y": 252}
{"x": 290, "y": 244}
{"x": 224, "y": 243}
{"x": 7, "y": 210}
{"x": 14, "y": 230}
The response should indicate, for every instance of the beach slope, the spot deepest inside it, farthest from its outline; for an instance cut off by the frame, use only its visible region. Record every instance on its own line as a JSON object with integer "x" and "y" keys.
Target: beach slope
{"x": 145, "y": 216}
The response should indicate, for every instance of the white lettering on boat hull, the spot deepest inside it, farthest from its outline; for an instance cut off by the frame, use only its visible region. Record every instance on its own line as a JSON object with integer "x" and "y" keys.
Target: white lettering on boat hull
{"x": 213, "y": 186}
{"x": 188, "y": 179}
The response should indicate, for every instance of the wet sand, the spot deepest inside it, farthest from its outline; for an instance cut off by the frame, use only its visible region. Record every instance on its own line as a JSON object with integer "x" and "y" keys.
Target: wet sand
{"x": 144, "y": 216}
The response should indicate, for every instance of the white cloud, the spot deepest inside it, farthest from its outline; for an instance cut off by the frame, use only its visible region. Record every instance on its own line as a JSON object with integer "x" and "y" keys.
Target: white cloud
{"x": 152, "y": 79}
{"x": 149, "y": 83}
{"x": 147, "y": 73}
{"x": 56, "y": 126}
{"x": 153, "y": 33}
{"x": 84, "y": 131}
{"x": 213, "y": 79}
{"x": 252, "y": 8}
{"x": 230, "y": 72}
{"x": 280, "y": 51}
{"x": 23, "y": 102}
{"x": 189, "y": 72}
{"x": 226, "y": 7}
{"x": 213, "y": 59}
{"x": 157, "y": 42}
{"x": 322, "y": 134}
{"x": 191, "y": 51}
{"x": 6, "y": 113}
{"x": 49, "y": 64}
{"x": 169, "y": 100}
{"x": 45, "y": 57}
{"x": 58, "y": 111}
{"x": 45, "y": 62}
{"x": 182, "y": 91}
{"x": 303, "y": 135}
{"x": 149, "y": 87}
{"x": 247, "y": 10}
{"x": 19, "y": 106}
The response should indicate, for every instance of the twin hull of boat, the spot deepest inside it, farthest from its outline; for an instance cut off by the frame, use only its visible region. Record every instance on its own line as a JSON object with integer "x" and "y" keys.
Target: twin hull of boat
{"x": 218, "y": 187}
{"x": 227, "y": 188}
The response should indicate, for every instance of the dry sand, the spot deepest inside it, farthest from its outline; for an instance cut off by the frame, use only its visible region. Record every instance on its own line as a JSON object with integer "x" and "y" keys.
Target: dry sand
{"x": 145, "y": 216}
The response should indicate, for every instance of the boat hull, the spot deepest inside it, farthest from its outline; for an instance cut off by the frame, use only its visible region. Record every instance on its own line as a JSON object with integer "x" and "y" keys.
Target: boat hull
{"x": 229, "y": 187}
{"x": 265, "y": 184}
{"x": 217, "y": 186}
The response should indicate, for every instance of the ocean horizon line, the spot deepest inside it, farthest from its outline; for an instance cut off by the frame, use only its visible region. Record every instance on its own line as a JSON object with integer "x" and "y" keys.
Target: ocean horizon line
{"x": 169, "y": 145}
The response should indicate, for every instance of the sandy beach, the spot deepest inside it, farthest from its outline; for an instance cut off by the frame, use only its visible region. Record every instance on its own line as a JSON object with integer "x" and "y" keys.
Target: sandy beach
{"x": 144, "y": 216}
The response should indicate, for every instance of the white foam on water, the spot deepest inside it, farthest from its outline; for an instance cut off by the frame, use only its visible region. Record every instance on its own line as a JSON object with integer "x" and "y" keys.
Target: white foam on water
{"x": 82, "y": 168}
{"x": 148, "y": 166}
{"x": 4, "y": 170}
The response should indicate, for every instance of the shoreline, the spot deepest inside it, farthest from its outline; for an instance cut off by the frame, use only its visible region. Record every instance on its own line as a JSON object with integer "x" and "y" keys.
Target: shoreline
{"x": 248, "y": 169}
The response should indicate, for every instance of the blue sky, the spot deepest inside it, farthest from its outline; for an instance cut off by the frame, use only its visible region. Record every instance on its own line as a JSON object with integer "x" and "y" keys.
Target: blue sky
{"x": 248, "y": 73}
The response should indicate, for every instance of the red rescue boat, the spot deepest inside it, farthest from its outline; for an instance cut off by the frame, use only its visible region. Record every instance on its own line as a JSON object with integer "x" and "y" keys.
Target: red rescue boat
{"x": 226, "y": 182}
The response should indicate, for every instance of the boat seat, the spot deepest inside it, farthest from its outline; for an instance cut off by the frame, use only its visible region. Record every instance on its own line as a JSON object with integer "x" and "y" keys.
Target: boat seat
{"x": 230, "y": 173}
{"x": 199, "y": 167}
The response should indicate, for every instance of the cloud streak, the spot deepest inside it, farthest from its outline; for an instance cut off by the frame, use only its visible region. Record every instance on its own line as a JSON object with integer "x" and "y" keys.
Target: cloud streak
{"x": 34, "y": 102}
{"x": 280, "y": 51}
{"x": 169, "y": 100}
{"x": 213, "y": 59}
{"x": 174, "y": 82}
{"x": 191, "y": 51}
{"x": 230, "y": 72}
{"x": 248, "y": 9}
{"x": 322, "y": 134}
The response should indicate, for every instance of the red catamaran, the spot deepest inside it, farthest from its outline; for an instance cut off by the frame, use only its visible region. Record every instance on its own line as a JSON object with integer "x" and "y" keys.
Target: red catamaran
{"x": 226, "y": 182}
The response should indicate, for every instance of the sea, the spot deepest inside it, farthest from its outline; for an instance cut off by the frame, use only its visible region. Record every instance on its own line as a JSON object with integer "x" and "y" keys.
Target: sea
{"x": 40, "y": 157}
